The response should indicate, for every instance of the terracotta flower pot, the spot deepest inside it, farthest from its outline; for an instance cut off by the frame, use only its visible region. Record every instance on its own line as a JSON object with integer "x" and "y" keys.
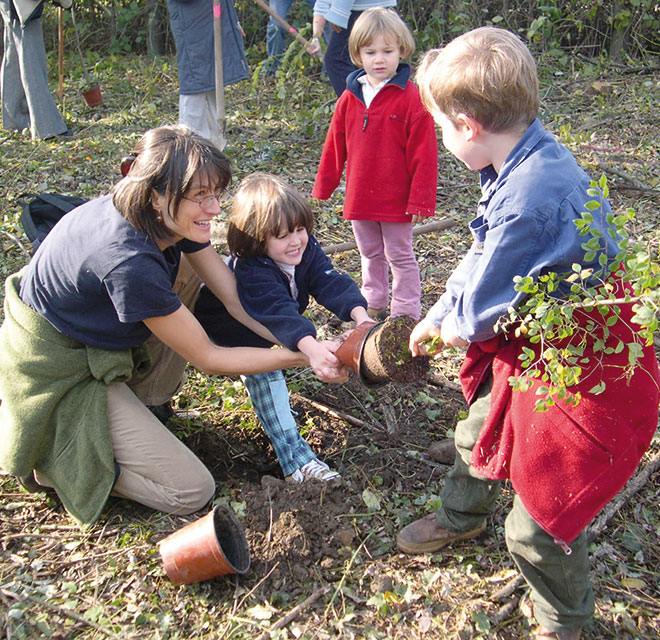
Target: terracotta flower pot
{"x": 351, "y": 352}
{"x": 212, "y": 546}
{"x": 378, "y": 353}
{"x": 93, "y": 97}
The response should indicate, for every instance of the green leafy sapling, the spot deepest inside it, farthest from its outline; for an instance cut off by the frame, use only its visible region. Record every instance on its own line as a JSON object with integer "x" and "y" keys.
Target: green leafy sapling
{"x": 547, "y": 315}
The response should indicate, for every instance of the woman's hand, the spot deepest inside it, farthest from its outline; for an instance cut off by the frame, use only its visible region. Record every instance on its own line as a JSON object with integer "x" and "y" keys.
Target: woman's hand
{"x": 182, "y": 333}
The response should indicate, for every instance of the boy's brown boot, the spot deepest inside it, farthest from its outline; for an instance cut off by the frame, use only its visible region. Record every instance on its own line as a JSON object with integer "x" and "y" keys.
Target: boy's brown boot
{"x": 425, "y": 536}
{"x": 544, "y": 634}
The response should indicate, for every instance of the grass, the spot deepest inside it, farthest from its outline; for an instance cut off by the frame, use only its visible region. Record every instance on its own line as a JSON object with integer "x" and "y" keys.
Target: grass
{"x": 59, "y": 582}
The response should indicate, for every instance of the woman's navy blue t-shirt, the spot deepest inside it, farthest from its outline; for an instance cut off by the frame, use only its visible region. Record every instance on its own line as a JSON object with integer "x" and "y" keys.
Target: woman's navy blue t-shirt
{"x": 95, "y": 277}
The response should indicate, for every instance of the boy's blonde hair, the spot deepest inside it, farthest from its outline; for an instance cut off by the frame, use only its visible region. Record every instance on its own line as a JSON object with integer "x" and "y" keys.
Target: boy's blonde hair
{"x": 380, "y": 22}
{"x": 263, "y": 204}
{"x": 488, "y": 74}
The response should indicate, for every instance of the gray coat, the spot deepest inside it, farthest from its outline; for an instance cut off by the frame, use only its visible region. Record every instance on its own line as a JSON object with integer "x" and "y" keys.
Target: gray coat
{"x": 192, "y": 26}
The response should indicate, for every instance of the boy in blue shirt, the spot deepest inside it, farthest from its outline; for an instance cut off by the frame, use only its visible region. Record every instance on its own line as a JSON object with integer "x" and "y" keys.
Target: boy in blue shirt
{"x": 566, "y": 463}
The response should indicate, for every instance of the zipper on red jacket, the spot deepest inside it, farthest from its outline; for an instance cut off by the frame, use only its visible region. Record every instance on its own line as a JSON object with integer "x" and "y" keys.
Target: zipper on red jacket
{"x": 366, "y": 119}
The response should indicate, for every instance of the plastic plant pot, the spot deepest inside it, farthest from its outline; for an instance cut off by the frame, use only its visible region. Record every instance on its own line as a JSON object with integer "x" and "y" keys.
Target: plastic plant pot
{"x": 212, "y": 546}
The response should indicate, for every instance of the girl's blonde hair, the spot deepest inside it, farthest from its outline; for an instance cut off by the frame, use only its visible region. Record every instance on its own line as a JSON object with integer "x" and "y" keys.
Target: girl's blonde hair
{"x": 263, "y": 204}
{"x": 380, "y": 22}
{"x": 488, "y": 74}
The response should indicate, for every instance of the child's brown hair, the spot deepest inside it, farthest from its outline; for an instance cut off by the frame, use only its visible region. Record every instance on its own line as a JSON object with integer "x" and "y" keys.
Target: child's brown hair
{"x": 380, "y": 22}
{"x": 488, "y": 74}
{"x": 263, "y": 204}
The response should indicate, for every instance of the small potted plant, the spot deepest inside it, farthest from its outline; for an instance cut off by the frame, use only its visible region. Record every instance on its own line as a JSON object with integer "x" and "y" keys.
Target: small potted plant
{"x": 90, "y": 89}
{"x": 88, "y": 84}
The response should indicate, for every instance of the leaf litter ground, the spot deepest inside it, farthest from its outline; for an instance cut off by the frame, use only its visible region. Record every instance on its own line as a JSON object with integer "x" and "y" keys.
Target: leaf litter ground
{"x": 333, "y": 540}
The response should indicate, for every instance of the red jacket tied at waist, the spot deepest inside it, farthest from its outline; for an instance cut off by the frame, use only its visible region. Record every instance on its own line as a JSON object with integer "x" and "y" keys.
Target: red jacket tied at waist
{"x": 566, "y": 463}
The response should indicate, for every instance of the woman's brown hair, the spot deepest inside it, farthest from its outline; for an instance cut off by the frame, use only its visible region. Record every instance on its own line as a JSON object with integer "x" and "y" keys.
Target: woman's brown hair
{"x": 166, "y": 160}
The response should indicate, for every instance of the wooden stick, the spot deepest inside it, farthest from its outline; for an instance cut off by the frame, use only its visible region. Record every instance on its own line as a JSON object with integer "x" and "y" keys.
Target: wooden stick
{"x": 429, "y": 227}
{"x": 333, "y": 412}
{"x": 60, "y": 55}
{"x": 219, "y": 75}
{"x": 295, "y": 612}
{"x": 636, "y": 483}
{"x": 292, "y": 30}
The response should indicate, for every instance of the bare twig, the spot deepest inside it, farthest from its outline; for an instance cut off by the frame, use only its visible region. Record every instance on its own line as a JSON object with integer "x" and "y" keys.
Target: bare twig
{"x": 438, "y": 381}
{"x": 429, "y": 227}
{"x": 340, "y": 415}
{"x": 295, "y": 612}
{"x": 58, "y": 610}
{"x": 634, "y": 485}
{"x": 17, "y": 241}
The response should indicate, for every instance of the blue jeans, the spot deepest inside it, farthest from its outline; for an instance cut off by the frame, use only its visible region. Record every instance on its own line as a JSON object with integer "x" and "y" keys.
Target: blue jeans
{"x": 337, "y": 60}
{"x": 276, "y": 34}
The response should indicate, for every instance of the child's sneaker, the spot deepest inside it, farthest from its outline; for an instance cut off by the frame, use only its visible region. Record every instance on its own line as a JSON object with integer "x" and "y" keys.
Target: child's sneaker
{"x": 313, "y": 470}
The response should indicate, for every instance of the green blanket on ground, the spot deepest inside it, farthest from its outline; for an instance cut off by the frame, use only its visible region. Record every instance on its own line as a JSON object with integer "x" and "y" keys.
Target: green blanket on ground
{"x": 54, "y": 411}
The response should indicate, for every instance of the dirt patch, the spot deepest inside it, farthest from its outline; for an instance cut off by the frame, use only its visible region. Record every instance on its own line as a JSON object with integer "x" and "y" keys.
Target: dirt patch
{"x": 299, "y": 533}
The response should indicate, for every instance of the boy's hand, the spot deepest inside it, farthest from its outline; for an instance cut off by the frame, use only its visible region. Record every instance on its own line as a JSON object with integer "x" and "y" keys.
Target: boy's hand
{"x": 448, "y": 334}
{"x": 424, "y": 330}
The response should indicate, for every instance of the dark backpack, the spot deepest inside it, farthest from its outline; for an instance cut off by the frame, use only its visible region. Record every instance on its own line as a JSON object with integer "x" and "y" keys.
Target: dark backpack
{"x": 43, "y": 212}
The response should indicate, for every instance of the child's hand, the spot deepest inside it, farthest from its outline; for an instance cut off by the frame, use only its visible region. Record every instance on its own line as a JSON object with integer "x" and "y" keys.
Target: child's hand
{"x": 323, "y": 361}
{"x": 424, "y": 330}
{"x": 415, "y": 217}
{"x": 448, "y": 334}
{"x": 360, "y": 315}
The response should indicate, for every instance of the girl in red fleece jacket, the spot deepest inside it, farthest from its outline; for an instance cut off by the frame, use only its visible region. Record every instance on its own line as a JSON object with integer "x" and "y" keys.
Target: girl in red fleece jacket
{"x": 387, "y": 140}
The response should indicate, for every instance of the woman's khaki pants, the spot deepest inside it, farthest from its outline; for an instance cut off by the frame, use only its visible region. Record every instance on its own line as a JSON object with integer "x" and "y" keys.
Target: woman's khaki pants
{"x": 156, "y": 468}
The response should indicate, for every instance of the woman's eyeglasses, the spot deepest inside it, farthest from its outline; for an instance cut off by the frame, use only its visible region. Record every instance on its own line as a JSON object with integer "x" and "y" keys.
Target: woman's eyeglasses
{"x": 207, "y": 201}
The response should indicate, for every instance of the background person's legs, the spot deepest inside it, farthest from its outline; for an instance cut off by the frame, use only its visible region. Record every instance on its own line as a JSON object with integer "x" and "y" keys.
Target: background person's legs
{"x": 275, "y": 34}
{"x": 337, "y": 59}
{"x": 198, "y": 111}
{"x": 25, "y": 82}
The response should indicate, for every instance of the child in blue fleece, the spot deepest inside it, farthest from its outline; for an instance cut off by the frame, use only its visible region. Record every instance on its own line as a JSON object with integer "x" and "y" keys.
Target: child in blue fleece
{"x": 278, "y": 265}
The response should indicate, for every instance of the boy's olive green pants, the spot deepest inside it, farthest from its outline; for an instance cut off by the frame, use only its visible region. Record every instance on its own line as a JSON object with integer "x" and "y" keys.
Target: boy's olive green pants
{"x": 560, "y": 588}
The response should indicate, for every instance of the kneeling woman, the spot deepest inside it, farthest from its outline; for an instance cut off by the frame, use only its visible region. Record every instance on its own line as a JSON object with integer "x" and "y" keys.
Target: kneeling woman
{"x": 75, "y": 376}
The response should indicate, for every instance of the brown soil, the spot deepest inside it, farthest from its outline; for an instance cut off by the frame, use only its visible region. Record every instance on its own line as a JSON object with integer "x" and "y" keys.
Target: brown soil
{"x": 302, "y": 533}
{"x": 386, "y": 355}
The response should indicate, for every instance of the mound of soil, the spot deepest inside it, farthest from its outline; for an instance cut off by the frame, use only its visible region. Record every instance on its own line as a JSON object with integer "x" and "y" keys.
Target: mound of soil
{"x": 299, "y": 534}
